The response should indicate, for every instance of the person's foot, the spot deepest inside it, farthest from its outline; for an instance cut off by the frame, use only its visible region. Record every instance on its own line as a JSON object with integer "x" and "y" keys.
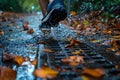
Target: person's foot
{"x": 55, "y": 13}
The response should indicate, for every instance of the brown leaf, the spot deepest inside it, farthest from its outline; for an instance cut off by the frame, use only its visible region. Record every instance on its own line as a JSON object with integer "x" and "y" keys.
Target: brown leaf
{"x": 73, "y": 13}
{"x": 25, "y": 26}
{"x": 73, "y": 60}
{"x": 30, "y": 31}
{"x": 48, "y": 50}
{"x": 117, "y": 53}
{"x": 7, "y": 73}
{"x": 97, "y": 73}
{"x": 73, "y": 63}
{"x": 45, "y": 72}
{"x": 1, "y": 32}
{"x": 19, "y": 59}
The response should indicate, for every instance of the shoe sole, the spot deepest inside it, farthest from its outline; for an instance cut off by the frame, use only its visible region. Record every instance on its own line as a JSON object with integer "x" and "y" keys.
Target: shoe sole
{"x": 45, "y": 19}
{"x": 48, "y": 16}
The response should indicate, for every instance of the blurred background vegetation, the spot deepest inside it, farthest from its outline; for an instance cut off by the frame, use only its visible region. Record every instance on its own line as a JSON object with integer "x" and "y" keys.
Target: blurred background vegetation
{"x": 20, "y": 6}
{"x": 107, "y": 8}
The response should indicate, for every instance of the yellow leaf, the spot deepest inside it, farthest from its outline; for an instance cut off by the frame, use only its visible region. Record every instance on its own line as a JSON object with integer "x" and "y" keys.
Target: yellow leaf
{"x": 85, "y": 78}
{"x": 34, "y": 62}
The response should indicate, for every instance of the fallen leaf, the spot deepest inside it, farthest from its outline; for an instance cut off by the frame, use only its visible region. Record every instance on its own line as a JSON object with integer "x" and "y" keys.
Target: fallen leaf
{"x": 73, "y": 13}
{"x": 1, "y": 32}
{"x": 45, "y": 72}
{"x": 117, "y": 37}
{"x": 7, "y": 73}
{"x": 48, "y": 50}
{"x": 95, "y": 41}
{"x": 19, "y": 59}
{"x": 73, "y": 63}
{"x": 97, "y": 73}
{"x": 117, "y": 53}
{"x": 34, "y": 62}
{"x": 107, "y": 31}
{"x": 73, "y": 60}
{"x": 25, "y": 26}
{"x": 30, "y": 31}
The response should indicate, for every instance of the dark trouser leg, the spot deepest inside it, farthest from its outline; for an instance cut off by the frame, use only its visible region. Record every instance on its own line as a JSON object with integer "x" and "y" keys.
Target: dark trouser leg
{"x": 43, "y": 5}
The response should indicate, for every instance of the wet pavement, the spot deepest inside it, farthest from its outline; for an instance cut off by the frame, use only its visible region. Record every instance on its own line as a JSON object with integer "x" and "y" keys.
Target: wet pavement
{"x": 15, "y": 40}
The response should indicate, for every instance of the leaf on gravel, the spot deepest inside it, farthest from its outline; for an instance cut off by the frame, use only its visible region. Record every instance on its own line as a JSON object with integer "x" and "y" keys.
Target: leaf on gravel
{"x": 45, "y": 72}
{"x": 19, "y": 59}
{"x": 34, "y": 62}
{"x": 48, "y": 50}
{"x": 1, "y": 32}
{"x": 7, "y": 73}
{"x": 97, "y": 73}
{"x": 25, "y": 26}
{"x": 30, "y": 31}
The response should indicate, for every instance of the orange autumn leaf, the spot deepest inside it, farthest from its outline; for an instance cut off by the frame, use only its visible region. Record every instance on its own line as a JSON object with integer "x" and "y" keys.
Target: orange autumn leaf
{"x": 19, "y": 60}
{"x": 114, "y": 46}
{"x": 7, "y": 73}
{"x": 94, "y": 72}
{"x": 107, "y": 31}
{"x": 45, "y": 72}
{"x": 1, "y": 32}
{"x": 73, "y": 13}
{"x": 30, "y": 31}
{"x": 48, "y": 50}
{"x": 117, "y": 53}
{"x": 117, "y": 37}
{"x": 73, "y": 64}
{"x": 34, "y": 62}
{"x": 73, "y": 60}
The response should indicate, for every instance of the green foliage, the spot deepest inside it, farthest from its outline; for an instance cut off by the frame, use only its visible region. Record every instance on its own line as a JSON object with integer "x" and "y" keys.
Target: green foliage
{"x": 107, "y": 8}
{"x": 20, "y": 5}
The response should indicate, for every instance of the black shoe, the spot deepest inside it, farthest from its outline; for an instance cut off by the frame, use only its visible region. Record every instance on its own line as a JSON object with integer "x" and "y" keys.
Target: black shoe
{"x": 55, "y": 13}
